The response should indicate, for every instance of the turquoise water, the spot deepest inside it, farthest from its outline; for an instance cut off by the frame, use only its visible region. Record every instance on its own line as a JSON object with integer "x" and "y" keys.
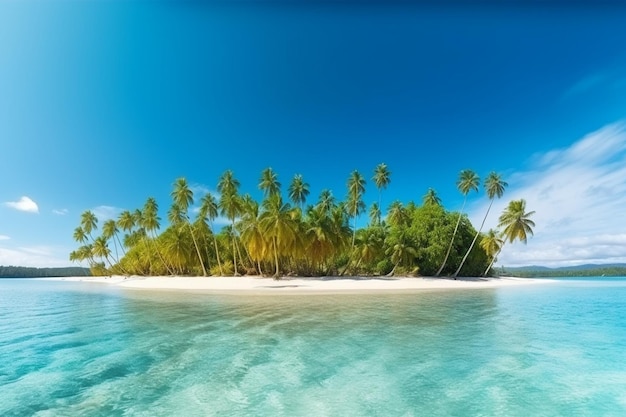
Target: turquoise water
{"x": 73, "y": 349}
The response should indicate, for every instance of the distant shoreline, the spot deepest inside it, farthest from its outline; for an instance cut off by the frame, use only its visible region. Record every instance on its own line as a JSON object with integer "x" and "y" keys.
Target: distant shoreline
{"x": 306, "y": 285}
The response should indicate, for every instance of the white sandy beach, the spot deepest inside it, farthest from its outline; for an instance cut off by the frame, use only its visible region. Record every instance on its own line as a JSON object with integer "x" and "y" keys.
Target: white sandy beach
{"x": 304, "y": 284}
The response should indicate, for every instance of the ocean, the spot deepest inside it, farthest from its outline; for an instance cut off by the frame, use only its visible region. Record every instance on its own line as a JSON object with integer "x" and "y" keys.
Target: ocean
{"x": 86, "y": 349}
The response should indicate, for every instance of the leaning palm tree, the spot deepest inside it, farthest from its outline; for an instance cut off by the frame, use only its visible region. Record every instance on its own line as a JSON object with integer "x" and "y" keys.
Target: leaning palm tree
{"x": 278, "y": 225}
{"x": 382, "y": 178}
{"x": 230, "y": 205}
{"x": 431, "y": 198}
{"x": 269, "y": 182}
{"x": 468, "y": 181}
{"x": 183, "y": 198}
{"x": 298, "y": 190}
{"x": 517, "y": 225}
{"x": 492, "y": 245}
{"x": 101, "y": 249}
{"x": 494, "y": 185}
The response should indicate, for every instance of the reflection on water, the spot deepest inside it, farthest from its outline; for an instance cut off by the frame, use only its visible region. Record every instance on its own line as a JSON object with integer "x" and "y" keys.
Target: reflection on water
{"x": 80, "y": 349}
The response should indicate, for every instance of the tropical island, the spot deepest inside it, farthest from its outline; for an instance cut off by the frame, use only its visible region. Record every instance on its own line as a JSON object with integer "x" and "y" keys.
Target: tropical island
{"x": 278, "y": 238}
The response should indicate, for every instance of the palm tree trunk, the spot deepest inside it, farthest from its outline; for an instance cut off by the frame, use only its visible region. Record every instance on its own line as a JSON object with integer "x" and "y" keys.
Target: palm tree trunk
{"x": 494, "y": 259}
{"x": 217, "y": 254}
{"x": 276, "y": 274}
{"x": 195, "y": 243}
{"x": 473, "y": 241}
{"x": 234, "y": 250}
{"x": 158, "y": 252}
{"x": 456, "y": 228}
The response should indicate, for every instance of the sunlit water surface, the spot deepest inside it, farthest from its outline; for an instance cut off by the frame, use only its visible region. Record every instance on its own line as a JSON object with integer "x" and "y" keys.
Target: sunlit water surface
{"x": 74, "y": 349}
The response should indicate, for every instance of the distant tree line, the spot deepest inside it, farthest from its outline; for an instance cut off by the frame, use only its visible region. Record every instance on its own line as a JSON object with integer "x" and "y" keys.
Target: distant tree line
{"x": 29, "y": 272}
{"x": 615, "y": 271}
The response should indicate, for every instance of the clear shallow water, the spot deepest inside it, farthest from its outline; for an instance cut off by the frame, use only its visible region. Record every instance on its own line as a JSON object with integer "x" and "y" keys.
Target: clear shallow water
{"x": 86, "y": 349}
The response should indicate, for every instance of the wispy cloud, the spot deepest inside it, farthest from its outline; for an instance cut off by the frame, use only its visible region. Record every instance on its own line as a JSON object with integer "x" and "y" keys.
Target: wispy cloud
{"x": 4, "y": 237}
{"x": 579, "y": 195}
{"x": 60, "y": 212}
{"x": 23, "y": 204}
{"x": 104, "y": 213}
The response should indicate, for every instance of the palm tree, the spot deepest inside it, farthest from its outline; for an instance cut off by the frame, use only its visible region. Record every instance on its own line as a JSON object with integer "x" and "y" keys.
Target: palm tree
{"x": 492, "y": 244}
{"x": 397, "y": 215}
{"x": 401, "y": 250}
{"x": 183, "y": 198}
{"x": 230, "y": 205}
{"x": 374, "y": 214}
{"x": 494, "y": 186}
{"x": 382, "y": 178}
{"x": 150, "y": 222}
{"x": 468, "y": 181}
{"x": 126, "y": 221}
{"x": 517, "y": 225}
{"x": 89, "y": 222}
{"x": 109, "y": 230}
{"x": 208, "y": 213}
{"x": 326, "y": 201}
{"x": 355, "y": 205}
{"x": 277, "y": 223}
{"x": 252, "y": 234}
{"x": 298, "y": 190}
{"x": 269, "y": 182}
{"x": 101, "y": 249}
{"x": 431, "y": 198}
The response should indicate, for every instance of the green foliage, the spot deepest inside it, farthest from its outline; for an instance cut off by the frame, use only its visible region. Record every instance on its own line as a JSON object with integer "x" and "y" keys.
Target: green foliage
{"x": 276, "y": 237}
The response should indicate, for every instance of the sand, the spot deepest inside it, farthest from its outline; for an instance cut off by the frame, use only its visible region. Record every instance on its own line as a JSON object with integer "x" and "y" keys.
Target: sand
{"x": 331, "y": 285}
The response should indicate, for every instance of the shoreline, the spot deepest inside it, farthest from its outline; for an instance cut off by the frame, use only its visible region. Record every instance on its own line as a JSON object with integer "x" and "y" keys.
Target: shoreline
{"x": 303, "y": 285}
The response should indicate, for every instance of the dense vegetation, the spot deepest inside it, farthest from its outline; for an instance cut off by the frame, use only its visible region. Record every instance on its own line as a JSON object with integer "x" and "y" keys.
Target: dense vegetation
{"x": 290, "y": 238}
{"x": 27, "y": 272}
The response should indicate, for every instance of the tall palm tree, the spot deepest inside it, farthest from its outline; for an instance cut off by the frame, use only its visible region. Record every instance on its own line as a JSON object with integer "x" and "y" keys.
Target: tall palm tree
{"x": 208, "y": 213}
{"x": 492, "y": 244}
{"x": 183, "y": 198}
{"x": 150, "y": 222}
{"x": 230, "y": 205}
{"x": 468, "y": 181}
{"x": 298, "y": 190}
{"x": 517, "y": 225}
{"x": 382, "y": 178}
{"x": 431, "y": 198}
{"x": 355, "y": 205}
{"x": 494, "y": 186}
{"x": 278, "y": 225}
{"x": 269, "y": 182}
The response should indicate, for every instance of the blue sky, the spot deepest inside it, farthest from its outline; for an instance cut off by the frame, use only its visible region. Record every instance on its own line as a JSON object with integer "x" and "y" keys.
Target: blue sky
{"x": 103, "y": 104}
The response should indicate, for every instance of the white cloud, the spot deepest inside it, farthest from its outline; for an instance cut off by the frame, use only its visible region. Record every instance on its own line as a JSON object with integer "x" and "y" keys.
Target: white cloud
{"x": 36, "y": 256}
{"x": 104, "y": 213}
{"x": 24, "y": 204}
{"x": 4, "y": 237}
{"x": 579, "y": 195}
{"x": 61, "y": 212}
